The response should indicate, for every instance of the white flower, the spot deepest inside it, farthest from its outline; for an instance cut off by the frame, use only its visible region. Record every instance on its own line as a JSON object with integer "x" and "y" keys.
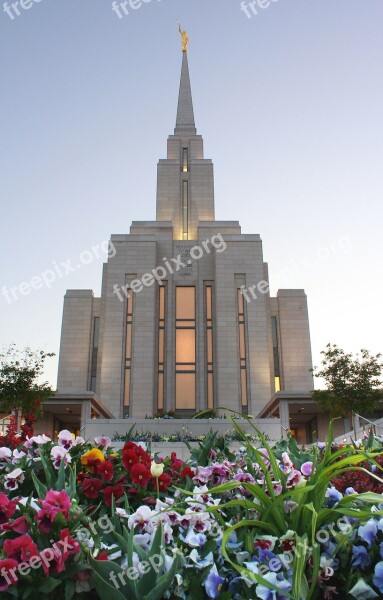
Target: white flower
{"x": 142, "y": 519}
{"x": 13, "y": 479}
{"x": 66, "y": 439}
{"x": 83, "y": 537}
{"x": 194, "y": 560}
{"x": 362, "y": 591}
{"x": 5, "y": 453}
{"x": 17, "y": 456}
{"x": 143, "y": 540}
{"x": 58, "y": 453}
{"x": 32, "y": 502}
{"x": 103, "y": 440}
{"x": 79, "y": 441}
{"x": 157, "y": 469}
{"x": 40, "y": 440}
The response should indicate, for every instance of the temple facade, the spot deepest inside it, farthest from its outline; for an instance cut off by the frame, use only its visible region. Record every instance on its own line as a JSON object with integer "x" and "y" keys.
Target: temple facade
{"x": 185, "y": 321}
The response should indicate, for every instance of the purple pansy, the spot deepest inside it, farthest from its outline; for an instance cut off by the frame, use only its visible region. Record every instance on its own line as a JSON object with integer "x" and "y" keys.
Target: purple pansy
{"x": 213, "y": 583}
{"x": 368, "y": 532}
{"x": 360, "y": 557}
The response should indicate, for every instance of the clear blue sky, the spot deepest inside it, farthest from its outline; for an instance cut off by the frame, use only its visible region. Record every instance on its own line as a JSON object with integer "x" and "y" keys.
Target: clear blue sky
{"x": 290, "y": 106}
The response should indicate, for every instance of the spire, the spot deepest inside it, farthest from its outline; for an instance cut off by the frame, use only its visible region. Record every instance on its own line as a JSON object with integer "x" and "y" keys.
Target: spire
{"x": 185, "y": 115}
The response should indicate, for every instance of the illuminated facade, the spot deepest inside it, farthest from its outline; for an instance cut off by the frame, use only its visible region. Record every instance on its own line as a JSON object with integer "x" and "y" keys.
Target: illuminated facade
{"x": 185, "y": 321}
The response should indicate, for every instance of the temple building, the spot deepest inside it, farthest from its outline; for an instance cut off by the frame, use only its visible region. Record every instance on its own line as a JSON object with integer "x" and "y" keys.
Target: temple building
{"x": 185, "y": 321}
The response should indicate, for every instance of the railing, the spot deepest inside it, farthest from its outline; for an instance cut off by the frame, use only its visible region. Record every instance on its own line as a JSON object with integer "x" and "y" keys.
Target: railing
{"x": 372, "y": 423}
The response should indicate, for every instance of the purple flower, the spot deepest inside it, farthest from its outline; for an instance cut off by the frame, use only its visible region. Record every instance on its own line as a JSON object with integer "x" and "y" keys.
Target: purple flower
{"x": 360, "y": 557}
{"x": 244, "y": 477}
{"x": 103, "y": 441}
{"x": 368, "y": 532}
{"x": 293, "y": 478}
{"x": 321, "y": 445}
{"x": 333, "y": 497}
{"x": 378, "y": 577}
{"x": 194, "y": 540}
{"x": 349, "y": 491}
{"x": 289, "y": 506}
{"x": 307, "y": 469}
{"x": 213, "y": 583}
{"x": 203, "y": 475}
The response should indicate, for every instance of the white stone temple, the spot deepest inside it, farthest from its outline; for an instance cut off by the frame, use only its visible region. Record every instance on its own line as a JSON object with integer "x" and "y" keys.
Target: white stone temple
{"x": 185, "y": 321}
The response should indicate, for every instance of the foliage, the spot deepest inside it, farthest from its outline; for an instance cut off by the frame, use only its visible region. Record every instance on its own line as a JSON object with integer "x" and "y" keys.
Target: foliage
{"x": 262, "y": 522}
{"x": 353, "y": 383}
{"x": 20, "y": 372}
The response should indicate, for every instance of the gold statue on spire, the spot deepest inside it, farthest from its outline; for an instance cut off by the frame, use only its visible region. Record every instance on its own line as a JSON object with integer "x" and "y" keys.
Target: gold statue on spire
{"x": 185, "y": 38}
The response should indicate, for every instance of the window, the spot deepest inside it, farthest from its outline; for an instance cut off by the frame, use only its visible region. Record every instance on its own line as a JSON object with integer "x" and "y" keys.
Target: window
{"x": 161, "y": 348}
{"x": 242, "y": 351}
{"x": 277, "y": 370}
{"x": 185, "y": 210}
{"x": 185, "y": 160}
{"x": 128, "y": 352}
{"x": 185, "y": 348}
{"x": 93, "y": 371}
{"x": 209, "y": 346}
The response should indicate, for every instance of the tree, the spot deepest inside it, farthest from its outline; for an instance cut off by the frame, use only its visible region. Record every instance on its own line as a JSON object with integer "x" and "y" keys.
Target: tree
{"x": 353, "y": 383}
{"x": 20, "y": 372}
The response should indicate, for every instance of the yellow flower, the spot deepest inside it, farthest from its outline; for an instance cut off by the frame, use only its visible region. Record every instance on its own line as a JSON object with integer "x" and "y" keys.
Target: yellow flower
{"x": 157, "y": 469}
{"x": 91, "y": 459}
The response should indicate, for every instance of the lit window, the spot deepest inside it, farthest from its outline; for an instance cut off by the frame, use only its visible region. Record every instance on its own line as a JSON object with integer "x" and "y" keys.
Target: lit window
{"x": 209, "y": 346}
{"x": 161, "y": 349}
{"x": 277, "y": 370}
{"x": 185, "y": 210}
{"x": 185, "y": 348}
{"x": 185, "y": 160}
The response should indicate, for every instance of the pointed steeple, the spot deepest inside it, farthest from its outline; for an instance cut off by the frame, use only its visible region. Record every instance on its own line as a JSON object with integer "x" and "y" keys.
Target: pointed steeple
{"x": 185, "y": 123}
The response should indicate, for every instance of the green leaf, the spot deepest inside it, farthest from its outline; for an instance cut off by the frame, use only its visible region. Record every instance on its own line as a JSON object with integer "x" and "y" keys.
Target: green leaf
{"x": 70, "y": 588}
{"x": 106, "y": 591}
{"x": 60, "y": 483}
{"x": 106, "y": 571}
{"x": 165, "y": 581}
{"x": 49, "y": 584}
{"x": 41, "y": 489}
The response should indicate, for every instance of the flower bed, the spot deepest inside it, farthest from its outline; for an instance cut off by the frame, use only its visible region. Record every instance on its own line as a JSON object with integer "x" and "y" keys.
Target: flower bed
{"x": 87, "y": 521}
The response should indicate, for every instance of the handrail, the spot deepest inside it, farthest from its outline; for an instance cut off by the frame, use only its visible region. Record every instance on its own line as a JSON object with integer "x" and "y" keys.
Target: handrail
{"x": 368, "y": 421}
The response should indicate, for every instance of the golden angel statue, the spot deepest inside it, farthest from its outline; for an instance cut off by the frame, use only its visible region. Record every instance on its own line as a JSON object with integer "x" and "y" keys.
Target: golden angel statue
{"x": 185, "y": 38}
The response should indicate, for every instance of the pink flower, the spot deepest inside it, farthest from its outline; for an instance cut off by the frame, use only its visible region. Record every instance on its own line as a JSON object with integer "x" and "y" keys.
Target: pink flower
{"x": 54, "y": 503}
{"x": 62, "y": 549}
{"x": 7, "y": 508}
{"x": 287, "y": 463}
{"x": 19, "y": 525}
{"x": 22, "y": 548}
{"x": 293, "y": 478}
{"x": 5, "y": 568}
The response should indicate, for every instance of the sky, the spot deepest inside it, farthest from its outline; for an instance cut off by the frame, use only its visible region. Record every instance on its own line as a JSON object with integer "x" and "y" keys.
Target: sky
{"x": 289, "y": 102}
